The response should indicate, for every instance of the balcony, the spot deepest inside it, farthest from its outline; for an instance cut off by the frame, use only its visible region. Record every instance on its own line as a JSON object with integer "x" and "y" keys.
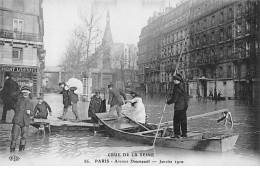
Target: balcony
{"x": 20, "y": 36}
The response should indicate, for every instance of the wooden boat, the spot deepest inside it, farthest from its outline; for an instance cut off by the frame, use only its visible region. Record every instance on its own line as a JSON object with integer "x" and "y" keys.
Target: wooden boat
{"x": 132, "y": 131}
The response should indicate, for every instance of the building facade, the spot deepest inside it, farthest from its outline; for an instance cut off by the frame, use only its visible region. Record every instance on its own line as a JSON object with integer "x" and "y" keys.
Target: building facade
{"x": 21, "y": 42}
{"x": 218, "y": 42}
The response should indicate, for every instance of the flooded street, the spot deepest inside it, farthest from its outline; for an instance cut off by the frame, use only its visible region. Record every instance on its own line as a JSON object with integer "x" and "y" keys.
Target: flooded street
{"x": 82, "y": 147}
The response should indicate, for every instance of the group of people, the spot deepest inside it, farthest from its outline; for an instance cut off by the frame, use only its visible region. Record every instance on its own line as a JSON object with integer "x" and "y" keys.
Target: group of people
{"x": 20, "y": 100}
{"x": 117, "y": 98}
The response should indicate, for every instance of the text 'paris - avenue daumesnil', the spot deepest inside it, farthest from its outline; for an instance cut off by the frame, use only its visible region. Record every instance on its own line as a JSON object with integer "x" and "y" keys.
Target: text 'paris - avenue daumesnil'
{"x": 125, "y": 161}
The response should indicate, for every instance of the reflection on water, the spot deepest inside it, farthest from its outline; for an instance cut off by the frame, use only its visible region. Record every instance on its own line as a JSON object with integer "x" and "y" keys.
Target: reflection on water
{"x": 74, "y": 147}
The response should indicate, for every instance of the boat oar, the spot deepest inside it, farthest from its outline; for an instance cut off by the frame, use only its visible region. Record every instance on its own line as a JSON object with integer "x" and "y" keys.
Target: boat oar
{"x": 135, "y": 122}
{"x": 159, "y": 125}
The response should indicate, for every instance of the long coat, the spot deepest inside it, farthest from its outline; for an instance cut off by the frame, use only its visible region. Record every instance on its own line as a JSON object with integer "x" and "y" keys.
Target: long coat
{"x": 10, "y": 86}
{"x": 95, "y": 106}
{"x": 21, "y": 106}
{"x": 66, "y": 98}
{"x": 115, "y": 97}
{"x": 179, "y": 97}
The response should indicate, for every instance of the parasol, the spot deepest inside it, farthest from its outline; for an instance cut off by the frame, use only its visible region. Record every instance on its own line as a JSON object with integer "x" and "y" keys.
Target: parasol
{"x": 73, "y": 82}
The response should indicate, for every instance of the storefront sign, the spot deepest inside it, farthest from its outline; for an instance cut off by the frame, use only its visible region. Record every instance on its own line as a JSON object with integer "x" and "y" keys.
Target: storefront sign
{"x": 18, "y": 69}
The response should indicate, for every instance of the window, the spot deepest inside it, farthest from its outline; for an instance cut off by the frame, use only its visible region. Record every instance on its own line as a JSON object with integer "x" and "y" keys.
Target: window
{"x": 212, "y": 37}
{"x": 230, "y": 13}
{"x": 247, "y": 48}
{"x": 220, "y": 71}
{"x": 17, "y": 53}
{"x": 239, "y": 29}
{"x": 213, "y": 20}
{"x": 205, "y": 24}
{"x": 221, "y": 17}
{"x": 229, "y": 72}
{"x": 229, "y": 33}
{"x": 221, "y": 34}
{"x": 247, "y": 27}
{"x": 239, "y": 10}
{"x": 18, "y": 25}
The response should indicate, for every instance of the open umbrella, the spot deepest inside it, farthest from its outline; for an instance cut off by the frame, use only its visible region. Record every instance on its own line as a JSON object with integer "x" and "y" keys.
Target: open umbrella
{"x": 75, "y": 83}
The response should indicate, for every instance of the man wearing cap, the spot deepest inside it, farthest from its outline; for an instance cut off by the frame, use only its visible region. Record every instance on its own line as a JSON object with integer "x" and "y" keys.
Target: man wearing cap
{"x": 180, "y": 99}
{"x": 10, "y": 86}
{"x": 23, "y": 109}
{"x": 115, "y": 100}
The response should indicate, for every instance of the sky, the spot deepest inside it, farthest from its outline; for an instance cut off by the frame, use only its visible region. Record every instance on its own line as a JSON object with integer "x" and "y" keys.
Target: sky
{"x": 127, "y": 18}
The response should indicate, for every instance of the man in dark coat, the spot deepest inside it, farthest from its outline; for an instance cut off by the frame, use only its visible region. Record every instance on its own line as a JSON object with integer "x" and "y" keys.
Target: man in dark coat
{"x": 115, "y": 100}
{"x": 10, "y": 86}
{"x": 66, "y": 99}
{"x": 95, "y": 106}
{"x": 74, "y": 103}
{"x": 23, "y": 109}
{"x": 180, "y": 99}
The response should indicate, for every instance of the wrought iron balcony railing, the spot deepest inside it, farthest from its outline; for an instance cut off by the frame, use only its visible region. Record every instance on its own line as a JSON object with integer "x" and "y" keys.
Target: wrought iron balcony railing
{"x": 20, "y": 36}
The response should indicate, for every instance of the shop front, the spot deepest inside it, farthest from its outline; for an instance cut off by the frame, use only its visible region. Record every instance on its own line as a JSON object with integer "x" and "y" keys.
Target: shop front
{"x": 23, "y": 76}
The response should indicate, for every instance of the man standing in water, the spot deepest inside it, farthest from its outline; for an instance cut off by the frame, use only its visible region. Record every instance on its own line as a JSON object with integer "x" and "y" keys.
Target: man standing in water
{"x": 23, "y": 109}
{"x": 179, "y": 98}
{"x": 115, "y": 101}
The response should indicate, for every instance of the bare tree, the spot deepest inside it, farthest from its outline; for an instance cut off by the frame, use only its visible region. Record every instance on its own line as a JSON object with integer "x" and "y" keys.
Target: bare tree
{"x": 82, "y": 53}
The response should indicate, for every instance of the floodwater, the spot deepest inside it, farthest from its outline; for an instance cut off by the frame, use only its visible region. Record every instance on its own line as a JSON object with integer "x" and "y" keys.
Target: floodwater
{"x": 87, "y": 148}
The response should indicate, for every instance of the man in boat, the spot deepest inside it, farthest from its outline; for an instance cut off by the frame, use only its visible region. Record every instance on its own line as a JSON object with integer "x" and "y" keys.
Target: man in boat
{"x": 138, "y": 113}
{"x": 115, "y": 101}
{"x": 23, "y": 109}
{"x": 95, "y": 106}
{"x": 180, "y": 99}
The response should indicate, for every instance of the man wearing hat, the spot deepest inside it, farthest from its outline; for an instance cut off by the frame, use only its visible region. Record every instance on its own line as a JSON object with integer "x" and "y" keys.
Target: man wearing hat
{"x": 23, "y": 109}
{"x": 180, "y": 99}
{"x": 10, "y": 86}
{"x": 115, "y": 100}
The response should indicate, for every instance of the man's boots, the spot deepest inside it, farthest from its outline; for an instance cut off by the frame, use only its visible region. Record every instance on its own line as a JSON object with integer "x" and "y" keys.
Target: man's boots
{"x": 21, "y": 147}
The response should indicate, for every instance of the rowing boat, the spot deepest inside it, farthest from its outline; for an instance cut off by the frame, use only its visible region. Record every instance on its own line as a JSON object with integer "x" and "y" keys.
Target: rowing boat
{"x": 128, "y": 130}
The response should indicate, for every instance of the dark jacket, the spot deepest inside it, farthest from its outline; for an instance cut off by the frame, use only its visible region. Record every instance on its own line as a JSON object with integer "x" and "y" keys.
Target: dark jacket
{"x": 115, "y": 97}
{"x": 74, "y": 97}
{"x": 66, "y": 98}
{"x": 179, "y": 97}
{"x": 10, "y": 86}
{"x": 42, "y": 109}
{"x": 21, "y": 106}
{"x": 94, "y": 106}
